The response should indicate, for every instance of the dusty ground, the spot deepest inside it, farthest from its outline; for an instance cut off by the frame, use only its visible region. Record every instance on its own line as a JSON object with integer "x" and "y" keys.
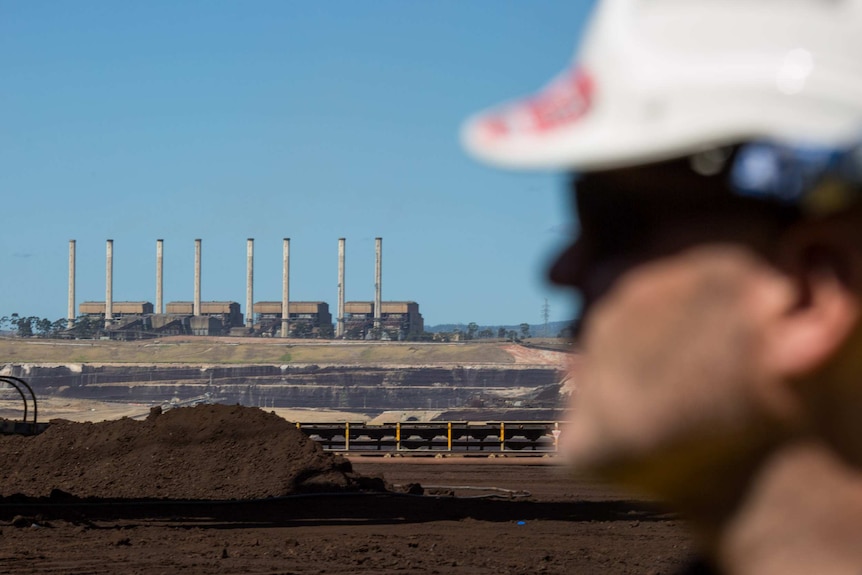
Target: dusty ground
{"x": 227, "y": 489}
{"x": 567, "y": 525}
{"x": 233, "y": 350}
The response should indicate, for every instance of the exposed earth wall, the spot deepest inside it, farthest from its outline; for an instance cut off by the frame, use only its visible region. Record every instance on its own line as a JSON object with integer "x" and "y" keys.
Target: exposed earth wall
{"x": 306, "y": 386}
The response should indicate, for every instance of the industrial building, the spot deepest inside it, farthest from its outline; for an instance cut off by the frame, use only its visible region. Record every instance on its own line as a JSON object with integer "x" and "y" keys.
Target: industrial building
{"x": 393, "y": 320}
{"x": 226, "y": 312}
{"x": 305, "y": 318}
{"x": 120, "y": 308}
{"x": 129, "y": 319}
{"x": 136, "y": 320}
{"x": 398, "y": 320}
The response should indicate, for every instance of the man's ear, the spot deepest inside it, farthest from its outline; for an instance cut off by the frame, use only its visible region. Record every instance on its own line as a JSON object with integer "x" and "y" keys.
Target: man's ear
{"x": 825, "y": 311}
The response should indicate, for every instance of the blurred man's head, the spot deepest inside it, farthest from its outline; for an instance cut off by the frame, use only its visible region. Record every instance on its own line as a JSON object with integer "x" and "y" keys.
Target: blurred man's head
{"x": 711, "y": 322}
{"x": 717, "y": 151}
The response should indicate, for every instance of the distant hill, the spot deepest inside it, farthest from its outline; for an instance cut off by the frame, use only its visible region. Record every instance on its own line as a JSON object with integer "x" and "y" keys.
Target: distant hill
{"x": 536, "y": 329}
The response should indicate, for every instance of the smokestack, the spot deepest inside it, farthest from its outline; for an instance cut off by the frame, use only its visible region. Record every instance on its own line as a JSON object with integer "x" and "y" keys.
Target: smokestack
{"x": 339, "y": 327}
{"x": 159, "y": 269}
{"x": 249, "y": 284}
{"x": 109, "y": 284}
{"x": 378, "y": 274}
{"x": 71, "y": 315}
{"x": 197, "y": 308}
{"x": 285, "y": 289}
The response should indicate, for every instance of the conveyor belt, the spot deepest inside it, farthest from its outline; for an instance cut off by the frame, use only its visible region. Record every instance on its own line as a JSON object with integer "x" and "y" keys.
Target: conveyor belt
{"x": 437, "y": 437}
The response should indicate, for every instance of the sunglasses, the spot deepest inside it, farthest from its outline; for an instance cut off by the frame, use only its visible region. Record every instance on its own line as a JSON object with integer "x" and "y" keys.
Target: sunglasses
{"x": 625, "y": 216}
{"x": 818, "y": 179}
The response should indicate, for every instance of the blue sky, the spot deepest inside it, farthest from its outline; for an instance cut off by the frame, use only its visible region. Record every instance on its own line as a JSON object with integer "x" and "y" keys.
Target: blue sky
{"x": 270, "y": 119}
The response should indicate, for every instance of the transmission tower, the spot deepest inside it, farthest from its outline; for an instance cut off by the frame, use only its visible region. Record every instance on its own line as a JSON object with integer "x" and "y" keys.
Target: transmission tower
{"x": 546, "y": 312}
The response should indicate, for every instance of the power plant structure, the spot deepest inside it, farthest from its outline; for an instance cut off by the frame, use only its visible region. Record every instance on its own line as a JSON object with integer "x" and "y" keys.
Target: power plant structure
{"x": 160, "y": 268}
{"x": 378, "y": 280}
{"x": 339, "y": 329}
{"x": 377, "y": 319}
{"x": 196, "y": 310}
{"x": 70, "y": 315}
{"x": 285, "y": 288}
{"x": 249, "y": 282}
{"x": 109, "y": 284}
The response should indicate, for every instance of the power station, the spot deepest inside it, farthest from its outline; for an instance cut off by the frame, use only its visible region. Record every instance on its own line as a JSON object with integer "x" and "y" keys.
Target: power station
{"x": 378, "y": 319}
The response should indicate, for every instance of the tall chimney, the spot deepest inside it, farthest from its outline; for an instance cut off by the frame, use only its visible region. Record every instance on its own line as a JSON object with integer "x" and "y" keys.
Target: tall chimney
{"x": 70, "y": 323}
{"x": 378, "y": 274}
{"x": 285, "y": 289}
{"x": 339, "y": 327}
{"x": 197, "y": 308}
{"x": 249, "y": 284}
{"x": 159, "y": 277}
{"x": 109, "y": 284}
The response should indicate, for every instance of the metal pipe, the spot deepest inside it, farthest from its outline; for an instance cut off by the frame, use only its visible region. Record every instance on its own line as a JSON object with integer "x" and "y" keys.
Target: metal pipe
{"x": 197, "y": 304}
{"x": 70, "y": 323}
{"x": 285, "y": 288}
{"x": 109, "y": 284}
{"x": 249, "y": 284}
{"x": 159, "y": 276}
{"x": 378, "y": 275}
{"x": 339, "y": 328}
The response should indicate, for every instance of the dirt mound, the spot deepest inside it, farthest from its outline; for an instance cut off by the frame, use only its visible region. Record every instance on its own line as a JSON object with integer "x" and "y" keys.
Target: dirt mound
{"x": 204, "y": 452}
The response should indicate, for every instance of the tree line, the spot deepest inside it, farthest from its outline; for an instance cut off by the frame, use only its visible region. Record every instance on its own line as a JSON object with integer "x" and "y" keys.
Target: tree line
{"x": 35, "y": 326}
{"x": 473, "y": 332}
{"x": 86, "y": 327}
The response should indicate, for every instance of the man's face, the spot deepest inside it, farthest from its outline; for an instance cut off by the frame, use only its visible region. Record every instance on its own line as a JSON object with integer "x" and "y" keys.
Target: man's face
{"x": 671, "y": 283}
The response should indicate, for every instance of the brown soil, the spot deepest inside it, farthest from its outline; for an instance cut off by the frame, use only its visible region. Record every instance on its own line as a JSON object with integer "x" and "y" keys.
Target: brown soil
{"x": 565, "y": 524}
{"x": 211, "y": 452}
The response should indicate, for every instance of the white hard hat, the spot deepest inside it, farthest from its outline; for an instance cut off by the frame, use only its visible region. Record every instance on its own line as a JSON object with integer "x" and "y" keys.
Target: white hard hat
{"x": 657, "y": 79}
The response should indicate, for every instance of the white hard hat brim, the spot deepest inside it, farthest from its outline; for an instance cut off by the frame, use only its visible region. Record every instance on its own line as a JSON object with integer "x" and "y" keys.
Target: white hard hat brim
{"x": 659, "y": 80}
{"x": 572, "y": 125}
{"x": 565, "y": 126}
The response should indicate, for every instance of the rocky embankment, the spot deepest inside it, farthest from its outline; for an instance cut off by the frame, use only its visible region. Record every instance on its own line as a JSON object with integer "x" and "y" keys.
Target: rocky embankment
{"x": 295, "y": 385}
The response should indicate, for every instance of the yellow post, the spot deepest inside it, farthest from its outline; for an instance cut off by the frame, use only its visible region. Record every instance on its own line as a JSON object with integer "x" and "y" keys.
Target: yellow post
{"x": 398, "y": 436}
{"x": 502, "y": 436}
{"x": 556, "y": 434}
{"x": 298, "y": 425}
{"x": 346, "y": 436}
{"x": 449, "y": 443}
